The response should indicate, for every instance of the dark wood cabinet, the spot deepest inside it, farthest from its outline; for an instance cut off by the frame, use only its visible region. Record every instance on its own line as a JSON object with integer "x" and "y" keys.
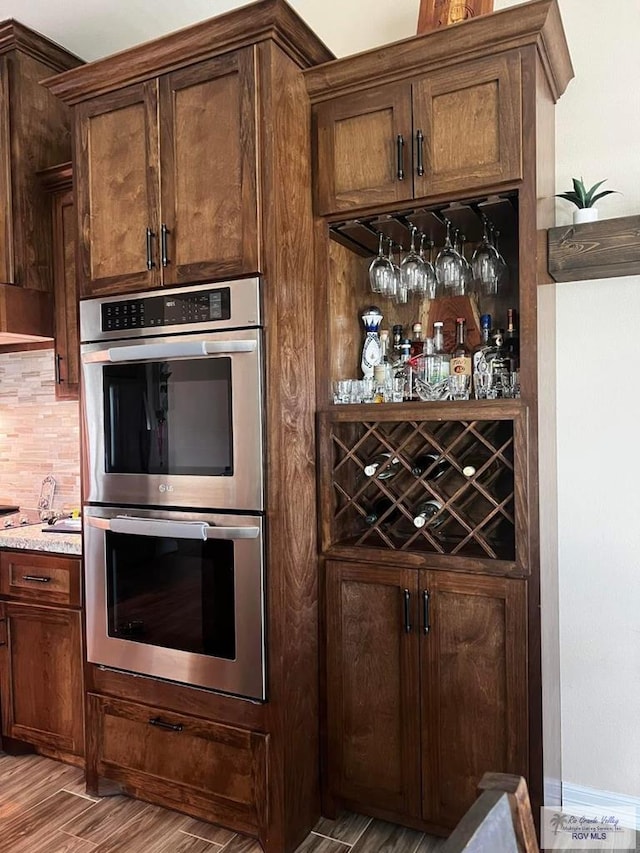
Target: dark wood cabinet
{"x": 41, "y": 657}
{"x": 207, "y": 131}
{"x": 219, "y": 769}
{"x": 426, "y": 676}
{"x": 167, "y": 179}
{"x": 34, "y": 134}
{"x": 433, "y": 670}
{"x": 58, "y": 182}
{"x": 452, "y": 131}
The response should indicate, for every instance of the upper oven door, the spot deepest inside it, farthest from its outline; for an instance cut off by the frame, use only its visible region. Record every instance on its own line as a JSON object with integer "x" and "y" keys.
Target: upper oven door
{"x": 175, "y": 421}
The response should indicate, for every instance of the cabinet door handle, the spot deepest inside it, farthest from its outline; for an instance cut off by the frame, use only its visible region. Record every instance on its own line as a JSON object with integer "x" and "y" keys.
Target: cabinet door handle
{"x": 57, "y": 361}
{"x": 420, "y": 152}
{"x": 150, "y": 262}
{"x": 161, "y": 724}
{"x": 163, "y": 244}
{"x": 3, "y": 632}
{"x": 407, "y": 611}
{"x": 426, "y": 596}
{"x": 400, "y": 156}
{"x": 36, "y": 578}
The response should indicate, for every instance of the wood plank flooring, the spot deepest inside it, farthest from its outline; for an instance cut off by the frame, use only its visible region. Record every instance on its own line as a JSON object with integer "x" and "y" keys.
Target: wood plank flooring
{"x": 43, "y": 809}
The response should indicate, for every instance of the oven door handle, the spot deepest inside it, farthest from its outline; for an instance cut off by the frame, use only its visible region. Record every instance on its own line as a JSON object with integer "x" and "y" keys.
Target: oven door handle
{"x": 175, "y": 349}
{"x": 172, "y": 529}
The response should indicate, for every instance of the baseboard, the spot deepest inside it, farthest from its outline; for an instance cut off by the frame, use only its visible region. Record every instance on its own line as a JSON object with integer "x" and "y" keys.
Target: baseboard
{"x": 580, "y": 797}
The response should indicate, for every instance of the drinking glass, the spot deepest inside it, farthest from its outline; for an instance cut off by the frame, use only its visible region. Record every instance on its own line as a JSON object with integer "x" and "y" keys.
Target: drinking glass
{"x": 485, "y": 264}
{"x": 467, "y": 272}
{"x": 412, "y": 267}
{"x": 449, "y": 270}
{"x": 503, "y": 269}
{"x": 459, "y": 386}
{"x": 342, "y": 391}
{"x": 380, "y": 270}
{"x": 426, "y": 285}
{"x": 401, "y": 293}
{"x": 481, "y": 385}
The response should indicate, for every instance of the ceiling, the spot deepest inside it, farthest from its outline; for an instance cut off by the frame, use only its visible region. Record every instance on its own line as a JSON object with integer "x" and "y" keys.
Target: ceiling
{"x": 95, "y": 28}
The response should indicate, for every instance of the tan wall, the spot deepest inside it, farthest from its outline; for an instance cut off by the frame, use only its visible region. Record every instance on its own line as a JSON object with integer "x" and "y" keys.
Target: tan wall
{"x": 38, "y": 435}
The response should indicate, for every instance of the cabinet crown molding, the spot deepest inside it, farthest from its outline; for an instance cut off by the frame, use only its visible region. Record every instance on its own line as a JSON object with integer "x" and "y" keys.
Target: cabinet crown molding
{"x": 537, "y": 24}
{"x": 15, "y": 36}
{"x": 265, "y": 20}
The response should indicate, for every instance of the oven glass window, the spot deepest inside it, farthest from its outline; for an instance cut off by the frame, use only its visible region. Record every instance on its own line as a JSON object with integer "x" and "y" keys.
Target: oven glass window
{"x": 174, "y": 593}
{"x": 169, "y": 417}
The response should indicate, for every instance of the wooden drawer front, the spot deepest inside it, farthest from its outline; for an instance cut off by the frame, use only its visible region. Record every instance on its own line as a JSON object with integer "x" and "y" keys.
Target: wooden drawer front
{"x": 198, "y": 763}
{"x": 40, "y": 577}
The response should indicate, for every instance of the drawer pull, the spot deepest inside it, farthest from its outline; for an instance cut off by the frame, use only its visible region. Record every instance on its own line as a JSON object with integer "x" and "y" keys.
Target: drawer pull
{"x": 36, "y": 578}
{"x": 407, "y": 611}
{"x": 172, "y": 727}
{"x": 400, "y": 156}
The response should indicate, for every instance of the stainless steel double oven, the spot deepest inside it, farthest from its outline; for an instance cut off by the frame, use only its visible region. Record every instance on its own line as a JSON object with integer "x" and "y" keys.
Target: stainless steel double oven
{"x": 174, "y": 484}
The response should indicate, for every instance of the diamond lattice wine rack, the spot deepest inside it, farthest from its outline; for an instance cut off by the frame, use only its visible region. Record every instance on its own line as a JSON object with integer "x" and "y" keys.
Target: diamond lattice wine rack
{"x": 442, "y": 487}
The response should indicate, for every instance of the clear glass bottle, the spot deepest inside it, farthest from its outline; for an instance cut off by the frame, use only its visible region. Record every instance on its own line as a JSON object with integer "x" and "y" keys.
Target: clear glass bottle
{"x": 461, "y": 354}
{"x": 417, "y": 340}
{"x": 438, "y": 348}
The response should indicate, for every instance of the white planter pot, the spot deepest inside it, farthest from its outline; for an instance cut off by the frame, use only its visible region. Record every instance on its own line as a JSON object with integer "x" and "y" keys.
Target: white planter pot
{"x": 585, "y": 214}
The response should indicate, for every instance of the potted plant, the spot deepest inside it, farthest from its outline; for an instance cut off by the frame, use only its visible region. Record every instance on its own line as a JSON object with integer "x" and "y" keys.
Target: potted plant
{"x": 584, "y": 200}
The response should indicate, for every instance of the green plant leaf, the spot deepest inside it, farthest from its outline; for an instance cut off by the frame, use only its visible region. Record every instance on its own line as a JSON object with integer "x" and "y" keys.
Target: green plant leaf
{"x": 589, "y": 199}
{"x": 579, "y": 189}
{"x": 572, "y": 197}
{"x": 602, "y": 194}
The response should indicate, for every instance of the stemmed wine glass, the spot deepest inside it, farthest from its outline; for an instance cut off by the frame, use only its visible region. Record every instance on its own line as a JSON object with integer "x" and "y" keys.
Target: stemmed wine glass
{"x": 412, "y": 267}
{"x": 467, "y": 272}
{"x": 427, "y": 282}
{"x": 503, "y": 269}
{"x": 485, "y": 263}
{"x": 401, "y": 292}
{"x": 449, "y": 269}
{"x": 381, "y": 271}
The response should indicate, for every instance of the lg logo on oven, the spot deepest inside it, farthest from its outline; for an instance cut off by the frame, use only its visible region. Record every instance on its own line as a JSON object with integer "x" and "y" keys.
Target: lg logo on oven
{"x": 165, "y": 487}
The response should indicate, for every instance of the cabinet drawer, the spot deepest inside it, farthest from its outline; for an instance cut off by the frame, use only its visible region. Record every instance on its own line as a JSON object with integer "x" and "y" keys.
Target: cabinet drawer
{"x": 182, "y": 762}
{"x": 40, "y": 577}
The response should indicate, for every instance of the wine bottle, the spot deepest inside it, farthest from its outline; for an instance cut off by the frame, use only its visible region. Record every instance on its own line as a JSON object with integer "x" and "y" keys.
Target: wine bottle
{"x": 378, "y": 509}
{"x": 390, "y": 470}
{"x": 425, "y": 512}
{"x": 512, "y": 340}
{"x": 431, "y": 462}
{"x": 461, "y": 354}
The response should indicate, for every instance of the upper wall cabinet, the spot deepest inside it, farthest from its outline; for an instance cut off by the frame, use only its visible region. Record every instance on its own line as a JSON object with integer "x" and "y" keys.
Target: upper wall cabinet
{"x": 167, "y": 178}
{"x": 34, "y": 134}
{"x": 451, "y": 131}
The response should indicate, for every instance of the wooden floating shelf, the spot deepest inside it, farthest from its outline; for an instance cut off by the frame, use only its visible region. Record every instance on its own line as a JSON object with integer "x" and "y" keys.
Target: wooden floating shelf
{"x": 604, "y": 249}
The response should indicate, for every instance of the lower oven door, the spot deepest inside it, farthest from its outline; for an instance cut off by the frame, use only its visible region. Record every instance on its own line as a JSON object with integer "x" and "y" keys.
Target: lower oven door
{"x": 177, "y": 595}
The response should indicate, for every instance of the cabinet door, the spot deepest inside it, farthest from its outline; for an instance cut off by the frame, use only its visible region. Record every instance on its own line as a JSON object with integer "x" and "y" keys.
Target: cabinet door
{"x": 360, "y": 162}
{"x": 471, "y": 119}
{"x": 474, "y": 688}
{"x": 41, "y": 677}
{"x": 176, "y": 759}
{"x": 117, "y": 191}
{"x": 209, "y": 169}
{"x": 67, "y": 352}
{"x": 372, "y": 687}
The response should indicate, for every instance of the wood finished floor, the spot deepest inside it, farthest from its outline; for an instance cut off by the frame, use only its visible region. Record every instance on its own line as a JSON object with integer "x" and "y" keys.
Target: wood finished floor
{"x": 44, "y": 809}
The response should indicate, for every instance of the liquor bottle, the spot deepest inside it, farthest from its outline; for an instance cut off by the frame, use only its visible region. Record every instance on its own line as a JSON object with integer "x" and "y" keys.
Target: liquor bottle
{"x": 378, "y": 509}
{"x": 403, "y": 370}
{"x": 438, "y": 348}
{"x": 461, "y": 354}
{"x": 499, "y": 364}
{"x": 371, "y": 354}
{"x": 394, "y": 355}
{"x": 512, "y": 340}
{"x": 424, "y": 514}
{"x": 379, "y": 383}
{"x": 431, "y": 462}
{"x": 417, "y": 341}
{"x": 390, "y": 470}
{"x": 479, "y": 357}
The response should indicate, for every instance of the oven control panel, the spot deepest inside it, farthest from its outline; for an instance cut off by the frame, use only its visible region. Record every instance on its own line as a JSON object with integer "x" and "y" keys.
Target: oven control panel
{"x": 152, "y": 312}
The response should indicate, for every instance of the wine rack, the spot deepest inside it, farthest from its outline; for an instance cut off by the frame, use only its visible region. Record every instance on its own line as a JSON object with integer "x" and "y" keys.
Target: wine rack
{"x": 467, "y": 480}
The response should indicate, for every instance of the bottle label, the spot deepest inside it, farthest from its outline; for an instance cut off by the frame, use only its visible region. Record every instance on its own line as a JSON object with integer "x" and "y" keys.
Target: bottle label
{"x": 461, "y": 365}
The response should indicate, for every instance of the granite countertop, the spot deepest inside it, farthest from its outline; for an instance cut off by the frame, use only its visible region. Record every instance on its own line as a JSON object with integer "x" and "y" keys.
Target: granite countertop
{"x": 32, "y": 538}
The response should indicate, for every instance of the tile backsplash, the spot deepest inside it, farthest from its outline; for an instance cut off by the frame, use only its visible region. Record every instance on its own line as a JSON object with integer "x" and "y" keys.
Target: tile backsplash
{"x": 38, "y": 434}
